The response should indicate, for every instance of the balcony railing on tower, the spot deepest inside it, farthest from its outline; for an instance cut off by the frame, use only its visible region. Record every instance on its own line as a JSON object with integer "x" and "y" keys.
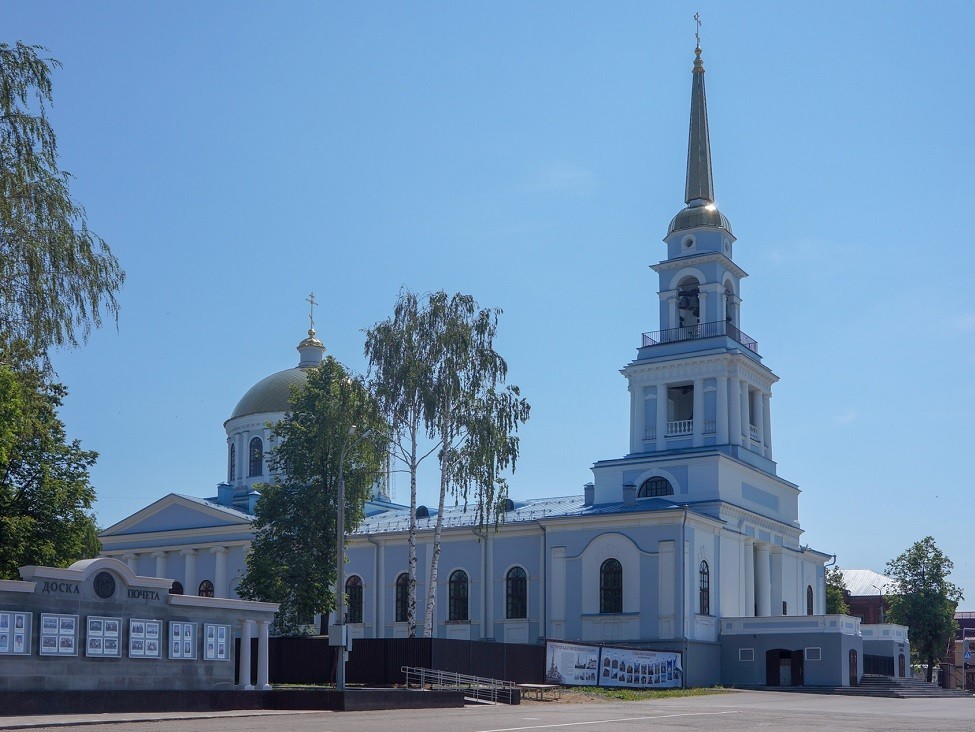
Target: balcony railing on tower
{"x": 696, "y": 332}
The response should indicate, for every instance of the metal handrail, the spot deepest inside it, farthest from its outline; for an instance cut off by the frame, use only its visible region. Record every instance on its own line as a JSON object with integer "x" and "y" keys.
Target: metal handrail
{"x": 696, "y": 332}
{"x": 479, "y": 687}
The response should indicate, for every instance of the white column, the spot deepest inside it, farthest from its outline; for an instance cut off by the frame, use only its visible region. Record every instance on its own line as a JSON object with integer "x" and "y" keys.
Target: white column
{"x": 760, "y": 422}
{"x": 220, "y": 573}
{"x": 721, "y": 411}
{"x": 489, "y": 587}
{"x": 557, "y": 612}
{"x": 637, "y": 420}
{"x": 749, "y": 563}
{"x": 672, "y": 310}
{"x": 745, "y": 416}
{"x": 763, "y": 580}
{"x": 735, "y": 418}
{"x": 262, "y": 654}
{"x": 702, "y": 307}
{"x": 131, "y": 560}
{"x": 243, "y": 460}
{"x": 661, "y": 417}
{"x": 189, "y": 571}
{"x": 379, "y": 622}
{"x": 160, "y": 558}
{"x": 667, "y": 588}
{"x": 648, "y": 397}
{"x": 245, "y": 656}
{"x": 775, "y": 581}
{"x": 767, "y": 422}
{"x": 698, "y": 438}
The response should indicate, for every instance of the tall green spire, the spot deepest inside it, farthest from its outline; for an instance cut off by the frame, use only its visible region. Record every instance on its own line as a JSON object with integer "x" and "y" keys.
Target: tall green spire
{"x": 699, "y": 187}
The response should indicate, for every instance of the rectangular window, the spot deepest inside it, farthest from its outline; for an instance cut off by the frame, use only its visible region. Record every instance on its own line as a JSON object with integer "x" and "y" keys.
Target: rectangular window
{"x": 814, "y": 654}
{"x": 746, "y": 654}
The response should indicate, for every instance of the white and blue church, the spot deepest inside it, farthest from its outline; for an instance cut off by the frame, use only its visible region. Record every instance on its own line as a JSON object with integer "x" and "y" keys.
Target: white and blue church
{"x": 689, "y": 542}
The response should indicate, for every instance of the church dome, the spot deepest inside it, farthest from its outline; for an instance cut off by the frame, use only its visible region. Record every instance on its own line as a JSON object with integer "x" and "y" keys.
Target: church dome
{"x": 695, "y": 216}
{"x": 270, "y": 394}
{"x": 273, "y": 393}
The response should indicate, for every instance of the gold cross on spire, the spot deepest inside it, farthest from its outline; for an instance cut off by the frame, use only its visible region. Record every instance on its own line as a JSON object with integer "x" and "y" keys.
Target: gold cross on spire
{"x": 697, "y": 33}
{"x": 311, "y": 310}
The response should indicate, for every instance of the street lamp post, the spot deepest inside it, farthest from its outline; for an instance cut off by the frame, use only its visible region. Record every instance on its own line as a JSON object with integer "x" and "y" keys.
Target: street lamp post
{"x": 340, "y": 560}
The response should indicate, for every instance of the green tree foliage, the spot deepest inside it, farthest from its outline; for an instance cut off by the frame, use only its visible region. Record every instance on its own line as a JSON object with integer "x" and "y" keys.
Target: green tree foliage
{"x": 474, "y": 415}
{"x": 401, "y": 352}
{"x": 45, "y": 493}
{"x": 56, "y": 276}
{"x": 836, "y": 592}
{"x": 440, "y": 384}
{"x": 293, "y": 554}
{"x": 925, "y": 600}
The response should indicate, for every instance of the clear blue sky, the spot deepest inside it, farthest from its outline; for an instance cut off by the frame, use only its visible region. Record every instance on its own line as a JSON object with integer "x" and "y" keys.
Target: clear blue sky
{"x": 239, "y": 155}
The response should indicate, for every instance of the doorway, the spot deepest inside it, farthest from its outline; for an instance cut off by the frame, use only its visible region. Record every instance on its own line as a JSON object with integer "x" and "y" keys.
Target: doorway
{"x": 854, "y": 676}
{"x": 784, "y": 667}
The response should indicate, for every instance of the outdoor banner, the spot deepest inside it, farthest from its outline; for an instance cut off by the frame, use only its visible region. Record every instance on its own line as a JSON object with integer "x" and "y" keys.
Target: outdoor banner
{"x": 636, "y": 668}
{"x": 571, "y": 664}
{"x": 576, "y": 664}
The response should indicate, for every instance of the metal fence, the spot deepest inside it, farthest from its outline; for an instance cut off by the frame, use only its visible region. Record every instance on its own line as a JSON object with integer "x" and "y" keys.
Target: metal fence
{"x": 377, "y": 661}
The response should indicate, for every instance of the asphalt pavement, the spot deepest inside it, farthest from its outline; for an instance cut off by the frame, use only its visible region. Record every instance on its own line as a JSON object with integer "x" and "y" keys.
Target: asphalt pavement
{"x": 745, "y": 710}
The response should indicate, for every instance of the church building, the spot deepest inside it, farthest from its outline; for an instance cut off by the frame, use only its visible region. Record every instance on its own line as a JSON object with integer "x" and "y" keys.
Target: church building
{"x": 688, "y": 542}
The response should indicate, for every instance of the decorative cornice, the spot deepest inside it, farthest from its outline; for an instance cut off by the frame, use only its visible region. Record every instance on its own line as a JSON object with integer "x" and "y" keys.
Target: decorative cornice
{"x": 689, "y": 366}
{"x": 223, "y": 603}
{"x": 703, "y": 258}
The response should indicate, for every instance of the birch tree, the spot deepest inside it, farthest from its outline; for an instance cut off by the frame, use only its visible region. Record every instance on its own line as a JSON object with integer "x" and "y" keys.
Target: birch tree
{"x": 401, "y": 351}
{"x": 473, "y": 423}
{"x": 56, "y": 276}
{"x": 439, "y": 382}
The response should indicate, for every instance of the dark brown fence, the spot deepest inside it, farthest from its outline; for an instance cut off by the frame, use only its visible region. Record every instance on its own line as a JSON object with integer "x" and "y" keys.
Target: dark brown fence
{"x": 377, "y": 661}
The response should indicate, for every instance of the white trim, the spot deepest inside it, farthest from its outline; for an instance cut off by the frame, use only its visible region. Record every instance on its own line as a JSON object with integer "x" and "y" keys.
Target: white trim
{"x": 223, "y": 603}
{"x": 17, "y": 586}
{"x": 746, "y": 654}
{"x": 80, "y": 572}
{"x": 810, "y": 656}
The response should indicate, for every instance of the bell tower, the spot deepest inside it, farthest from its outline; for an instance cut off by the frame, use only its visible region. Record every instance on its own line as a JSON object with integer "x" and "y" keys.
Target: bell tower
{"x": 697, "y": 385}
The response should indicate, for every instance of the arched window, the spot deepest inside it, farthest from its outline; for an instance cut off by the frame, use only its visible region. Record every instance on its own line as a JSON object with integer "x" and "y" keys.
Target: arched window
{"x": 176, "y": 589}
{"x": 206, "y": 589}
{"x": 688, "y": 308}
{"x": 402, "y": 597}
{"x": 457, "y": 590}
{"x": 809, "y": 600}
{"x": 611, "y": 587}
{"x": 232, "y": 468}
{"x": 656, "y": 486}
{"x": 516, "y": 594}
{"x": 731, "y": 316}
{"x": 704, "y": 581}
{"x": 256, "y": 457}
{"x": 353, "y": 594}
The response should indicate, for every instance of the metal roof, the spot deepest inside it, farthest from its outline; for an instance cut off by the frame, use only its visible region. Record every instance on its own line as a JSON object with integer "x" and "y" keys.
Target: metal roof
{"x": 861, "y": 582}
{"x": 524, "y": 511}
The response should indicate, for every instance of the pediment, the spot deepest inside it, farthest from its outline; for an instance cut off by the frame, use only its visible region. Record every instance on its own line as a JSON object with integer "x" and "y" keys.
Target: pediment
{"x": 177, "y": 513}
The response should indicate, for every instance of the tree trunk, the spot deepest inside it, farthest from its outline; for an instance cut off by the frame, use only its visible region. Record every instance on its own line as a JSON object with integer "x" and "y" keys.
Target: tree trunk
{"x": 435, "y": 559}
{"x": 930, "y": 668}
{"x": 411, "y": 562}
